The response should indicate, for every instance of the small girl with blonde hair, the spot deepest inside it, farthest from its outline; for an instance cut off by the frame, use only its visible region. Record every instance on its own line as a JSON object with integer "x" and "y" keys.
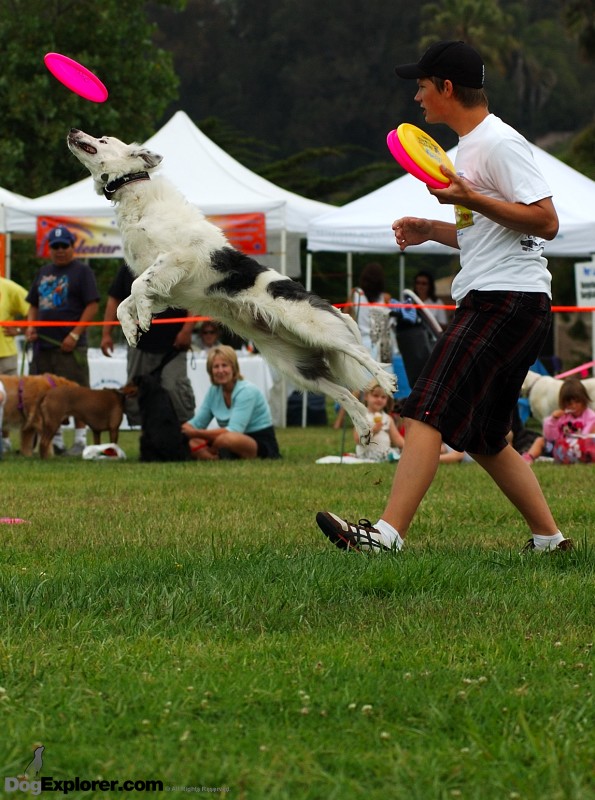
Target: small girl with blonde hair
{"x": 385, "y": 436}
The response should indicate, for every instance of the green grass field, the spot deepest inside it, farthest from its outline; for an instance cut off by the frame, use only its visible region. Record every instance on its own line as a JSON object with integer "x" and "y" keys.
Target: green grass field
{"x": 188, "y": 623}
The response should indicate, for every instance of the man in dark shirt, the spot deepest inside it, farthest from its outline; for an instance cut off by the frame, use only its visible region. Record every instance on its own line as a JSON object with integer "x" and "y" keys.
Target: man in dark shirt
{"x": 152, "y": 346}
{"x": 64, "y": 290}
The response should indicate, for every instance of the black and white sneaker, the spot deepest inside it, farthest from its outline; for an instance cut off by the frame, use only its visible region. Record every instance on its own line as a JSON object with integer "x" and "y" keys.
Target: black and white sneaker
{"x": 361, "y": 536}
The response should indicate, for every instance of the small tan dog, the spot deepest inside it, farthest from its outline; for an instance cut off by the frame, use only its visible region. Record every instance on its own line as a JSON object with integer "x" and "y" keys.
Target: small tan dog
{"x": 100, "y": 409}
{"x": 23, "y": 396}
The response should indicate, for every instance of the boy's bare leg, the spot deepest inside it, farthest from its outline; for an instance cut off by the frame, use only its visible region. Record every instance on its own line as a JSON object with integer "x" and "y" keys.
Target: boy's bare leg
{"x": 415, "y": 472}
{"x": 516, "y": 479}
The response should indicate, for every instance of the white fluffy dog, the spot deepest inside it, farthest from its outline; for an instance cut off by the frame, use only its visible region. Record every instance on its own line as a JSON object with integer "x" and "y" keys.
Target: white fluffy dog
{"x": 183, "y": 261}
{"x": 543, "y": 392}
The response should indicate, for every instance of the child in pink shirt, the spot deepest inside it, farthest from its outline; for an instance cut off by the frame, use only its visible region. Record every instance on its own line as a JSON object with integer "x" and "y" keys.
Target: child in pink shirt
{"x": 565, "y": 431}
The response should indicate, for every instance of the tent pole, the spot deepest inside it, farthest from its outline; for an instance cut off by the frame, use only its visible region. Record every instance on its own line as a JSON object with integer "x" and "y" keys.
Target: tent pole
{"x": 349, "y": 262}
{"x": 401, "y": 274}
{"x": 282, "y": 387}
{"x": 309, "y": 270}
{"x": 309, "y": 288}
{"x": 283, "y": 243}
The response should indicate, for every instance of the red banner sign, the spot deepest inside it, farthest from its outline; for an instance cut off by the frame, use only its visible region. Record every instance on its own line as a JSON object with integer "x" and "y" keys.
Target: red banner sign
{"x": 98, "y": 237}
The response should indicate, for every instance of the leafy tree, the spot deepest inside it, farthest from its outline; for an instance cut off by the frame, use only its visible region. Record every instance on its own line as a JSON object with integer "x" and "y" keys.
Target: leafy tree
{"x": 580, "y": 19}
{"x": 296, "y": 74}
{"x": 481, "y": 23}
{"x": 111, "y": 39}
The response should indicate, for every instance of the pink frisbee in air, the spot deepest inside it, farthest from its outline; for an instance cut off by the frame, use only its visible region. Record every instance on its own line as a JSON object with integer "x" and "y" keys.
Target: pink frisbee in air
{"x": 75, "y": 77}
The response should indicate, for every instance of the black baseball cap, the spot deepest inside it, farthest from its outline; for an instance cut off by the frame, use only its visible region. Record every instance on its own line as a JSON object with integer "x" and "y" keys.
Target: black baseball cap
{"x": 456, "y": 61}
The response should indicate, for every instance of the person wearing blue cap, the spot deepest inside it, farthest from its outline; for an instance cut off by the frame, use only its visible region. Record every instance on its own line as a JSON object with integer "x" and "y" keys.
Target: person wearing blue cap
{"x": 469, "y": 387}
{"x": 64, "y": 290}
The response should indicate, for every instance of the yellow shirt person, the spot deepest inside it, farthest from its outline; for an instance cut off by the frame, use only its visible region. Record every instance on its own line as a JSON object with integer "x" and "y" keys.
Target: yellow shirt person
{"x": 12, "y": 306}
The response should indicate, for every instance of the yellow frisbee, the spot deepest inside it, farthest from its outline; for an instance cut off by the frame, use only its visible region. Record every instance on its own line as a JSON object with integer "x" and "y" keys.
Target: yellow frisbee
{"x": 424, "y": 151}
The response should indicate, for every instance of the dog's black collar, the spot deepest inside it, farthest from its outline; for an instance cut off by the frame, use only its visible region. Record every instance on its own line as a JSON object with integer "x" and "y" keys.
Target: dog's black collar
{"x": 112, "y": 187}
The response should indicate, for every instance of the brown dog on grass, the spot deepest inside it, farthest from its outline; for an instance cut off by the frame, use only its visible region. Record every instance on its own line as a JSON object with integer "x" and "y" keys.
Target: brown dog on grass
{"x": 23, "y": 396}
{"x": 100, "y": 409}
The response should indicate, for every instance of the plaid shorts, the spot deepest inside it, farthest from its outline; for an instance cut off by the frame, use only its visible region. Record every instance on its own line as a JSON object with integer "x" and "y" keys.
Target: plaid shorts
{"x": 471, "y": 382}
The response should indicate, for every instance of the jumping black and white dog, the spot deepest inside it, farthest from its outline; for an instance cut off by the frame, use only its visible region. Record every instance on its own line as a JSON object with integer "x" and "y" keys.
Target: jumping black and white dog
{"x": 183, "y": 261}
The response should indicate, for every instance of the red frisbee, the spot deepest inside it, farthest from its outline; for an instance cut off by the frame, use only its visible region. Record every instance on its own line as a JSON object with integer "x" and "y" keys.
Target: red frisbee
{"x": 75, "y": 77}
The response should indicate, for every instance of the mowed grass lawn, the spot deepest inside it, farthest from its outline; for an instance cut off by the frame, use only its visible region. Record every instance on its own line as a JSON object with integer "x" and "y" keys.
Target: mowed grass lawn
{"x": 188, "y": 623}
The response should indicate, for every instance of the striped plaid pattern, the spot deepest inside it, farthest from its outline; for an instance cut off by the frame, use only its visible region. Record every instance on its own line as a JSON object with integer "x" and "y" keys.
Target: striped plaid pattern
{"x": 472, "y": 380}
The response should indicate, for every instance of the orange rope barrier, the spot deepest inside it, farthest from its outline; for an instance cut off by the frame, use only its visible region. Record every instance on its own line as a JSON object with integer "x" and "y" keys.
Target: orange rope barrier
{"x": 47, "y": 324}
{"x": 24, "y": 323}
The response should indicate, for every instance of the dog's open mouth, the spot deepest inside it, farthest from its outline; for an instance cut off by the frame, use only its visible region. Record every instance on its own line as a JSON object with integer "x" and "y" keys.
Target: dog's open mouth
{"x": 74, "y": 141}
{"x": 88, "y": 148}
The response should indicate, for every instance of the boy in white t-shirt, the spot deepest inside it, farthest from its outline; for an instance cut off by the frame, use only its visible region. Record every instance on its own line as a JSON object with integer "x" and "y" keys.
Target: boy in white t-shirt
{"x": 466, "y": 394}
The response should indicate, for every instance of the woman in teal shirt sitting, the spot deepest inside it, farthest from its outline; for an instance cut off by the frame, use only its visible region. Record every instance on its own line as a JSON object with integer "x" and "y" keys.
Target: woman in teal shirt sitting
{"x": 241, "y": 410}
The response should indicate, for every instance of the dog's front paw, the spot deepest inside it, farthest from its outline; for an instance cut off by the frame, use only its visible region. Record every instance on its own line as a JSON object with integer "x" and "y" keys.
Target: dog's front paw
{"x": 134, "y": 338}
{"x": 144, "y": 323}
{"x": 144, "y": 310}
{"x": 131, "y": 331}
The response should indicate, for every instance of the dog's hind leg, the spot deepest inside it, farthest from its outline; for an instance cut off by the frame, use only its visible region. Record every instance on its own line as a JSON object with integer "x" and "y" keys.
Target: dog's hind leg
{"x": 339, "y": 363}
{"x": 355, "y": 409}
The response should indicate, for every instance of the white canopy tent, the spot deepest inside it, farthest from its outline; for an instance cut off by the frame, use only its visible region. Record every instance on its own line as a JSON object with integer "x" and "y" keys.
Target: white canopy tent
{"x": 364, "y": 226}
{"x": 10, "y": 202}
{"x": 207, "y": 176}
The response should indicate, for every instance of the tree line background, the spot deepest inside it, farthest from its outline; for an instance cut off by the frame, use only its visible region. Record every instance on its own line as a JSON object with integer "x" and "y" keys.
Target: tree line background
{"x": 300, "y": 91}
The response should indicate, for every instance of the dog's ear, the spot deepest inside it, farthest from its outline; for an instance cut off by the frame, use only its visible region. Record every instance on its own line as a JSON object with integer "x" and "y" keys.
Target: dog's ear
{"x": 150, "y": 159}
{"x": 129, "y": 390}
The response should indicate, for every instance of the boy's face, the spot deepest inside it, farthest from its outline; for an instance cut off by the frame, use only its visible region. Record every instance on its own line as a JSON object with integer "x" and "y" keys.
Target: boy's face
{"x": 431, "y": 101}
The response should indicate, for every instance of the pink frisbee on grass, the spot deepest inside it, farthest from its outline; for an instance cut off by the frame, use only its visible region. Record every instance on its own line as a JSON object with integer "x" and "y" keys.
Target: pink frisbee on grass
{"x": 76, "y": 77}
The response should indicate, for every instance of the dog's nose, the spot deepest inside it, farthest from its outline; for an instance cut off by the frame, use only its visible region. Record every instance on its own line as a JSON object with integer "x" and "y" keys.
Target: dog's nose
{"x": 74, "y": 130}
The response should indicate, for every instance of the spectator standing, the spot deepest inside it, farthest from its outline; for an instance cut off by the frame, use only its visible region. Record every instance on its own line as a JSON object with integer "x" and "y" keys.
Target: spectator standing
{"x": 373, "y": 322}
{"x": 152, "y": 347}
{"x": 209, "y": 335}
{"x": 13, "y": 306}
{"x": 2, "y": 401}
{"x": 64, "y": 290}
{"x": 425, "y": 288}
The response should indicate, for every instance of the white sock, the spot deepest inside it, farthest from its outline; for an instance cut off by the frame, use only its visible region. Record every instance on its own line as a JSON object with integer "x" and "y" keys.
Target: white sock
{"x": 80, "y": 436}
{"x": 388, "y": 535}
{"x": 58, "y": 440}
{"x": 547, "y": 542}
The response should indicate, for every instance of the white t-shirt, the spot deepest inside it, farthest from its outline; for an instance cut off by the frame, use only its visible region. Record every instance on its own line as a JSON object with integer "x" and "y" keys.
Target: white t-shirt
{"x": 497, "y": 162}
